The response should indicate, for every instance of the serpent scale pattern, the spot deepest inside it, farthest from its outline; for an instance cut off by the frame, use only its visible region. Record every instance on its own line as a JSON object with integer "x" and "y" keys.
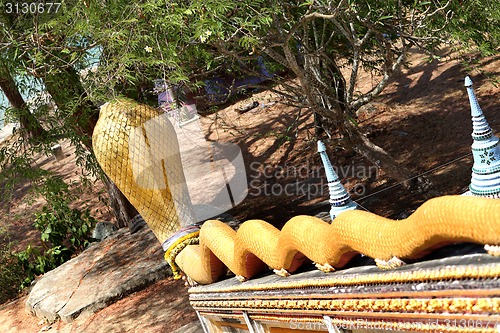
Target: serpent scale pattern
{"x": 129, "y": 140}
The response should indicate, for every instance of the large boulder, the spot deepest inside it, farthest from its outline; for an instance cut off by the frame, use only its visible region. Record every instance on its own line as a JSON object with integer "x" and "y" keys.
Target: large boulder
{"x": 102, "y": 274}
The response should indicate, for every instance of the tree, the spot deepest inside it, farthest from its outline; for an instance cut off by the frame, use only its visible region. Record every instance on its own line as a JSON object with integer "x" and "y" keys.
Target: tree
{"x": 27, "y": 120}
{"x": 38, "y": 45}
{"x": 474, "y": 25}
{"x": 325, "y": 44}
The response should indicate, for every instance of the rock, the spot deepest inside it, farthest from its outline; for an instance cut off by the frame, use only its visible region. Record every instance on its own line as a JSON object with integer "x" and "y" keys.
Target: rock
{"x": 45, "y": 328}
{"x": 401, "y": 134}
{"x": 207, "y": 210}
{"x": 58, "y": 152}
{"x": 404, "y": 214}
{"x": 228, "y": 219}
{"x": 136, "y": 224}
{"x": 102, "y": 274}
{"x": 103, "y": 230}
{"x": 266, "y": 105}
{"x": 247, "y": 107}
{"x": 325, "y": 216}
{"x": 371, "y": 109}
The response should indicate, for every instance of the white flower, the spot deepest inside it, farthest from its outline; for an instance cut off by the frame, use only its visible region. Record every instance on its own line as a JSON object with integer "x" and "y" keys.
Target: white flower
{"x": 204, "y": 36}
{"x": 148, "y": 49}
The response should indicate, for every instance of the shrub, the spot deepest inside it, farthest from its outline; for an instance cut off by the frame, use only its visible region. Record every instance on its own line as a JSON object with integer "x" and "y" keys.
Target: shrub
{"x": 64, "y": 232}
{"x": 33, "y": 262}
{"x": 59, "y": 224}
{"x": 12, "y": 273}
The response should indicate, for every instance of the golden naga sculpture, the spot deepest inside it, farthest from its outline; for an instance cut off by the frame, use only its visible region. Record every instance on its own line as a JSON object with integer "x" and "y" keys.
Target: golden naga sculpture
{"x": 150, "y": 176}
{"x": 257, "y": 244}
{"x": 121, "y": 142}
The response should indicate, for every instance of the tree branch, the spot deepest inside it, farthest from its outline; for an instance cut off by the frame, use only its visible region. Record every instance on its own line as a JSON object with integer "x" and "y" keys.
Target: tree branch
{"x": 366, "y": 98}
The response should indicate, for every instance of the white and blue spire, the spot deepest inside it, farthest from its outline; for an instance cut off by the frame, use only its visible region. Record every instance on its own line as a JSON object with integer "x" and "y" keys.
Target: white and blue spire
{"x": 485, "y": 180}
{"x": 339, "y": 198}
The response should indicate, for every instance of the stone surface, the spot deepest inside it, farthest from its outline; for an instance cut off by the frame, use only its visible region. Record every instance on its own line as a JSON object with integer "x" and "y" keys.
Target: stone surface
{"x": 103, "y": 230}
{"x": 102, "y": 274}
{"x": 136, "y": 224}
{"x": 325, "y": 216}
{"x": 229, "y": 220}
{"x": 58, "y": 152}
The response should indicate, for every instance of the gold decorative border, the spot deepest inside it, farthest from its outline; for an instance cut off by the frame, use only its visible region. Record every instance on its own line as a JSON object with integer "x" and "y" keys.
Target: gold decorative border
{"x": 447, "y": 326}
{"x": 400, "y": 305}
{"x": 440, "y": 274}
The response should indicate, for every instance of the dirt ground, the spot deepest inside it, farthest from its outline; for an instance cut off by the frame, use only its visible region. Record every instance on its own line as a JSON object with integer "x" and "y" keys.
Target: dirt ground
{"x": 422, "y": 119}
{"x": 162, "y": 307}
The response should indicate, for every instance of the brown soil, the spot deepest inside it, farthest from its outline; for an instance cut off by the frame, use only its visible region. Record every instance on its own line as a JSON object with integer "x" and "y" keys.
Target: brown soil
{"x": 162, "y": 307}
{"x": 422, "y": 119}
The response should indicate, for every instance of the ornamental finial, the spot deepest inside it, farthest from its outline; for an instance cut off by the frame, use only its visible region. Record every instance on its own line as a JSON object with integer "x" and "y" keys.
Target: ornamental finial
{"x": 339, "y": 198}
{"x": 485, "y": 180}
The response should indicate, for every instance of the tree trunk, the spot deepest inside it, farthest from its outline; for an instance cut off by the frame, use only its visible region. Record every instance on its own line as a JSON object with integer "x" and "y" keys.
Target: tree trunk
{"x": 122, "y": 209}
{"x": 26, "y": 119}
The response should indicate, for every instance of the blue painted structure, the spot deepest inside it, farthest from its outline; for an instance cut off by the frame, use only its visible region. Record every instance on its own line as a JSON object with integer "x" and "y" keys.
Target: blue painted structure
{"x": 485, "y": 181}
{"x": 340, "y": 200}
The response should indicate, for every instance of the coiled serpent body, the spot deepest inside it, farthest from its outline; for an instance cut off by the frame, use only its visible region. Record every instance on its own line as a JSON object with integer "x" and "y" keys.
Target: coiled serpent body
{"x": 257, "y": 244}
